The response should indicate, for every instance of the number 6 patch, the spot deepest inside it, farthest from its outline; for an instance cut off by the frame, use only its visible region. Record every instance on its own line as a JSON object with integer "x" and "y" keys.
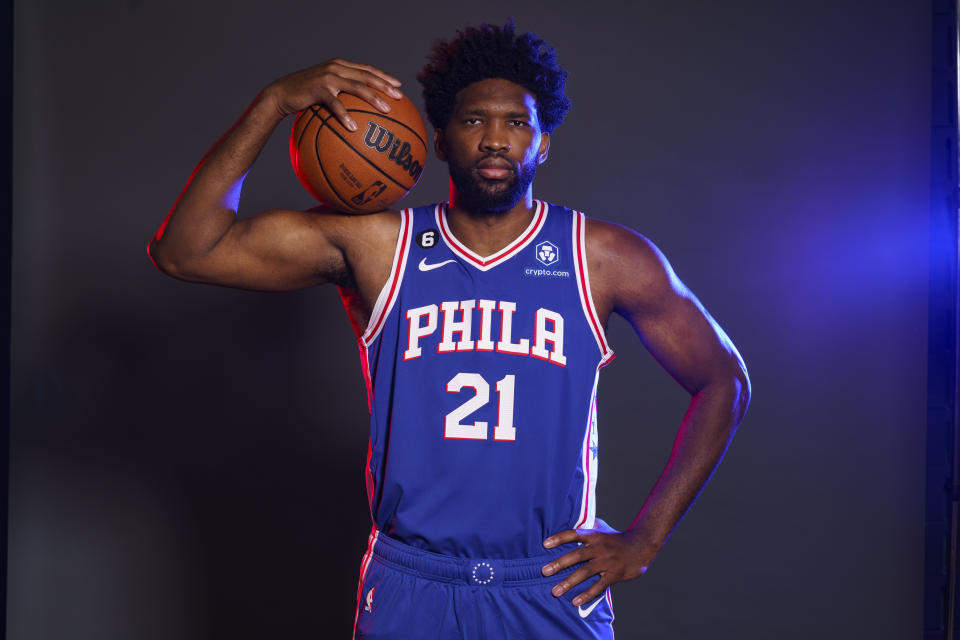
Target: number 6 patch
{"x": 427, "y": 239}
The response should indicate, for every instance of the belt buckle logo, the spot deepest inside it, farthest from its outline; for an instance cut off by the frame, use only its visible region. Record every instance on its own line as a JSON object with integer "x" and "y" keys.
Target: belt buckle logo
{"x": 483, "y": 573}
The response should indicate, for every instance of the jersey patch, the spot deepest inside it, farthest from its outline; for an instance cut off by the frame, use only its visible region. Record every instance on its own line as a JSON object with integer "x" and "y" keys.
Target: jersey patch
{"x": 428, "y": 239}
{"x": 547, "y": 253}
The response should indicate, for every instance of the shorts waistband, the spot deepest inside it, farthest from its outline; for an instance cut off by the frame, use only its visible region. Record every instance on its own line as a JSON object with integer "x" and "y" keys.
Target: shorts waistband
{"x": 478, "y": 572}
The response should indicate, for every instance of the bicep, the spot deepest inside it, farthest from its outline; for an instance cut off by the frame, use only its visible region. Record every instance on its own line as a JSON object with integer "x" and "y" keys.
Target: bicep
{"x": 672, "y": 323}
{"x": 275, "y": 250}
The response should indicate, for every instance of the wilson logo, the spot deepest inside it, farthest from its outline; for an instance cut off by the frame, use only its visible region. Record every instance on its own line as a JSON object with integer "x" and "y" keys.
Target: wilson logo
{"x": 384, "y": 141}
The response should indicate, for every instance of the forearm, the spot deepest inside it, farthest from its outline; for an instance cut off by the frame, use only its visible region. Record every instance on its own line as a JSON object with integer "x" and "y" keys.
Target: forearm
{"x": 713, "y": 416}
{"x": 707, "y": 429}
{"x": 208, "y": 204}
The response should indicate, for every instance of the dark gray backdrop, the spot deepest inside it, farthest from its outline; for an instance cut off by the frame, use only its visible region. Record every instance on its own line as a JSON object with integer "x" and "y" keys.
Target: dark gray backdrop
{"x": 187, "y": 460}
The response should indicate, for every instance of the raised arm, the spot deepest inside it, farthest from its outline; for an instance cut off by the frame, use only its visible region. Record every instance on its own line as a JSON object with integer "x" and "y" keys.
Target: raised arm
{"x": 631, "y": 277}
{"x": 202, "y": 240}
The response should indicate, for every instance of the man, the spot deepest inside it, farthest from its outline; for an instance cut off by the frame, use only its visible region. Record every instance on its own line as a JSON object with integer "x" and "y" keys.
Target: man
{"x": 481, "y": 325}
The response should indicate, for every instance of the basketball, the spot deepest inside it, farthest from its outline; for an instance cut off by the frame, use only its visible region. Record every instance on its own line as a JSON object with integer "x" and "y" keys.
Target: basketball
{"x": 364, "y": 170}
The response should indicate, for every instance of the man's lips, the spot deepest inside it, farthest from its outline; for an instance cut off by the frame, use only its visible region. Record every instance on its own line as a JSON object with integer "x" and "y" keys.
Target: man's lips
{"x": 494, "y": 168}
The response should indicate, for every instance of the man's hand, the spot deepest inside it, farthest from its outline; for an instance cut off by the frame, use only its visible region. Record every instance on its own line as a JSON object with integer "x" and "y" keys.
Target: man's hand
{"x": 612, "y": 555}
{"x": 322, "y": 83}
{"x": 202, "y": 240}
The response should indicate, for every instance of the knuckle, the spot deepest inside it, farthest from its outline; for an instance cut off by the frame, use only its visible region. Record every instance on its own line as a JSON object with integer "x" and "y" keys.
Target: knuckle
{"x": 327, "y": 80}
{"x": 571, "y": 560}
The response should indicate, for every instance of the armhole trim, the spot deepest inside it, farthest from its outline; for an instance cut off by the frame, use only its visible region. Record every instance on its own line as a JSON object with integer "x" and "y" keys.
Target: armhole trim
{"x": 391, "y": 288}
{"x": 583, "y": 288}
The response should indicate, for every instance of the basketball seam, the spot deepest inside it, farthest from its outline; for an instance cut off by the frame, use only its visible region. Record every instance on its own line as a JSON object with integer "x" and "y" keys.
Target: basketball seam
{"x": 316, "y": 150}
{"x": 303, "y": 132}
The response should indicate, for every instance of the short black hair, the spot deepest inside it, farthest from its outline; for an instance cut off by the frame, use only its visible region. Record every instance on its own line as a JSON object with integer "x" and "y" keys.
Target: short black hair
{"x": 494, "y": 52}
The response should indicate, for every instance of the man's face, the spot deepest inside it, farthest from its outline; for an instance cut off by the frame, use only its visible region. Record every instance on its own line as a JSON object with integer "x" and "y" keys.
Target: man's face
{"x": 493, "y": 145}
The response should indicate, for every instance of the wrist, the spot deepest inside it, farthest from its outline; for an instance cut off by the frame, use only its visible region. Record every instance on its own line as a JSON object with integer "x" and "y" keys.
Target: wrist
{"x": 644, "y": 539}
{"x": 269, "y": 106}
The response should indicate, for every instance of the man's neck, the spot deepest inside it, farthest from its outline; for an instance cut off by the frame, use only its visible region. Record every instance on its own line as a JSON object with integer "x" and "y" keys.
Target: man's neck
{"x": 486, "y": 233}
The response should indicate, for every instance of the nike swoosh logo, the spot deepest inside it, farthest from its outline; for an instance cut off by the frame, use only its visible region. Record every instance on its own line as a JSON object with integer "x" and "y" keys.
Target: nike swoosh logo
{"x": 585, "y": 612}
{"x": 427, "y": 267}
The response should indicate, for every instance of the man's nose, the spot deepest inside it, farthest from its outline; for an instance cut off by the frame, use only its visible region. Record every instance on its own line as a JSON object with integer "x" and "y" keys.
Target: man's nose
{"x": 495, "y": 138}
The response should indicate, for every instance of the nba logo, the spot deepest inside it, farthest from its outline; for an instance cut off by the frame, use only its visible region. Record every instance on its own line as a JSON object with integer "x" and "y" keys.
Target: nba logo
{"x": 547, "y": 253}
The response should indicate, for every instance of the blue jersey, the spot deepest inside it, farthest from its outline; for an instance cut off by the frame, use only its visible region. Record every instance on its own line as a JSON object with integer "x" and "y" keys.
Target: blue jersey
{"x": 482, "y": 378}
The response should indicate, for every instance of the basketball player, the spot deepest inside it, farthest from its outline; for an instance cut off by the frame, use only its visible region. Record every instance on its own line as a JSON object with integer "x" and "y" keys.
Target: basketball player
{"x": 481, "y": 326}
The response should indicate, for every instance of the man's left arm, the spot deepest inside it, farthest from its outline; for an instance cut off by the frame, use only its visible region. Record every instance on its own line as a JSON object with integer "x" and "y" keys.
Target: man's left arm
{"x": 631, "y": 277}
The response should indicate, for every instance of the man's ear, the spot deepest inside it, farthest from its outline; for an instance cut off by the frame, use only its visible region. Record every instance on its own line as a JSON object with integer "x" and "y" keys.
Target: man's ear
{"x": 440, "y": 145}
{"x": 544, "y": 148}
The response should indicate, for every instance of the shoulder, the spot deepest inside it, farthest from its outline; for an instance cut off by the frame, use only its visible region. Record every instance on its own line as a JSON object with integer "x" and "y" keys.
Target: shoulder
{"x": 372, "y": 230}
{"x": 363, "y": 245}
{"x": 346, "y": 229}
{"x": 627, "y": 270}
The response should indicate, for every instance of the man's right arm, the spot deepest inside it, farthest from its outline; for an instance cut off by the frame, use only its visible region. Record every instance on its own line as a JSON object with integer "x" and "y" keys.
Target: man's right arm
{"x": 202, "y": 240}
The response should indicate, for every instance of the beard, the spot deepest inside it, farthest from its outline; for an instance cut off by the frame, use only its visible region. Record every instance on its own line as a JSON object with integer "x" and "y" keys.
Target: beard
{"x": 479, "y": 195}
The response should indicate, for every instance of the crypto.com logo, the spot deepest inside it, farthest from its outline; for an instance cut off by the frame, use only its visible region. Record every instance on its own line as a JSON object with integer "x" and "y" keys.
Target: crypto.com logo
{"x": 547, "y": 253}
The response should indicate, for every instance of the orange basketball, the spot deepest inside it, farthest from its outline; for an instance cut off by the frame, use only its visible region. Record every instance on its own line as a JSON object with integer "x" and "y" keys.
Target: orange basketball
{"x": 364, "y": 170}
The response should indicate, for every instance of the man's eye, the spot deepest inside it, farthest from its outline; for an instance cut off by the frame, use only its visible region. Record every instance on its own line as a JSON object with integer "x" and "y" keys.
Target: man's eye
{"x": 519, "y": 123}
{"x": 472, "y": 121}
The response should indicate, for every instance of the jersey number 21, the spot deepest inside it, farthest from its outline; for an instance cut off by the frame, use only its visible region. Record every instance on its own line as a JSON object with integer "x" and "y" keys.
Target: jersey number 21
{"x": 504, "y": 430}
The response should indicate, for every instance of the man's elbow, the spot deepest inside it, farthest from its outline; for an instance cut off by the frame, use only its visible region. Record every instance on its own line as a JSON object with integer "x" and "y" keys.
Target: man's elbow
{"x": 741, "y": 389}
{"x": 163, "y": 261}
{"x": 729, "y": 388}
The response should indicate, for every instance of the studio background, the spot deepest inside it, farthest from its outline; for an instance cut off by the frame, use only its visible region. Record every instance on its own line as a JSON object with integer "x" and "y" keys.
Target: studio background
{"x": 187, "y": 460}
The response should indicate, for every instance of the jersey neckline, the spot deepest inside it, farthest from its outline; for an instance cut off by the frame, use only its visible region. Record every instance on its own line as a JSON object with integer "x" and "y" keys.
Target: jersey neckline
{"x": 483, "y": 263}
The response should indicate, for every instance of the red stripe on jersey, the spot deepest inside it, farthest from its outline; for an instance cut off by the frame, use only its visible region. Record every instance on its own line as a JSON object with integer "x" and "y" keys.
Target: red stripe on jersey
{"x": 539, "y": 216}
{"x": 368, "y": 475}
{"x": 367, "y": 380}
{"x": 583, "y": 281}
{"x": 371, "y": 483}
{"x": 364, "y": 565}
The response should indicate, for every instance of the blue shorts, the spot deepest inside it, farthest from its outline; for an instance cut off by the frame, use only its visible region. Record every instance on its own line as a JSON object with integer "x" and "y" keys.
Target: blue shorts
{"x": 410, "y": 594}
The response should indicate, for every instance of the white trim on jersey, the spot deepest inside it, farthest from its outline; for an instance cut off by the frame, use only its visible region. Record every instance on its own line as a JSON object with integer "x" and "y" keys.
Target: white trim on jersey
{"x": 391, "y": 287}
{"x": 583, "y": 287}
{"x": 364, "y": 565}
{"x": 588, "y": 501}
{"x": 588, "y": 493}
{"x": 614, "y": 616}
{"x": 489, "y": 262}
